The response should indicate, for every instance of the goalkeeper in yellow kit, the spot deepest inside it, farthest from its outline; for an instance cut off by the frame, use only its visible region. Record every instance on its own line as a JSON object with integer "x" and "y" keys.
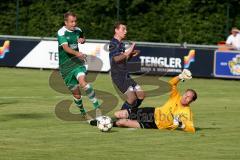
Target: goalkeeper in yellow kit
{"x": 175, "y": 113}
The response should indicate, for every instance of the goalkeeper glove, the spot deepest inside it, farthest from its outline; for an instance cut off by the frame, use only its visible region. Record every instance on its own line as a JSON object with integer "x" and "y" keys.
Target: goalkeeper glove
{"x": 186, "y": 74}
{"x": 177, "y": 122}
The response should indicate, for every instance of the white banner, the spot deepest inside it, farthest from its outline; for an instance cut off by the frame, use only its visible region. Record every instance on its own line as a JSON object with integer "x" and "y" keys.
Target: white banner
{"x": 45, "y": 55}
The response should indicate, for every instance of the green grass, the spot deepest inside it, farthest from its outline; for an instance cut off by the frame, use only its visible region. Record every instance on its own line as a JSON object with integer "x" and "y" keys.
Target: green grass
{"x": 29, "y": 128}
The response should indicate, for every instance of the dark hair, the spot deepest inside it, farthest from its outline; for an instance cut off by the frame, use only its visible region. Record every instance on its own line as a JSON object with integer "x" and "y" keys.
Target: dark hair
{"x": 66, "y": 15}
{"x": 117, "y": 24}
{"x": 194, "y": 94}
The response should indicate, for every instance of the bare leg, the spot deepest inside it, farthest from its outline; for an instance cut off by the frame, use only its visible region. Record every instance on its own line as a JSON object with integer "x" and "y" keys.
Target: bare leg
{"x": 128, "y": 123}
{"x": 122, "y": 114}
{"x": 82, "y": 81}
{"x": 131, "y": 97}
{"x": 140, "y": 94}
{"x": 76, "y": 93}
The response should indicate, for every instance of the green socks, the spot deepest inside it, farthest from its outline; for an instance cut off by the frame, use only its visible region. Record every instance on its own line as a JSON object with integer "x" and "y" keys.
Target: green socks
{"x": 79, "y": 104}
{"x": 91, "y": 95}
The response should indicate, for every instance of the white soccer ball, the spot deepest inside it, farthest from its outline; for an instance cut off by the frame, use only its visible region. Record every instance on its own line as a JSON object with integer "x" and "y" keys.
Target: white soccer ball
{"x": 104, "y": 123}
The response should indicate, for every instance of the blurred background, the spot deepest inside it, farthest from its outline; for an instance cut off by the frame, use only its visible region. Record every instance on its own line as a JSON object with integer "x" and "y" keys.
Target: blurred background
{"x": 172, "y": 35}
{"x": 172, "y": 21}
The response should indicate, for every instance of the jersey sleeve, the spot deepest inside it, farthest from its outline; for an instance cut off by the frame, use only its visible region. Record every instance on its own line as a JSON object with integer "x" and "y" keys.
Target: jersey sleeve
{"x": 187, "y": 121}
{"x": 114, "y": 49}
{"x": 173, "y": 83}
{"x": 61, "y": 38}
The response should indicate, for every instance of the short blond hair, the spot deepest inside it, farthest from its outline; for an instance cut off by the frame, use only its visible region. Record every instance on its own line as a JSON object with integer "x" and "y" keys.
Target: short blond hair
{"x": 66, "y": 15}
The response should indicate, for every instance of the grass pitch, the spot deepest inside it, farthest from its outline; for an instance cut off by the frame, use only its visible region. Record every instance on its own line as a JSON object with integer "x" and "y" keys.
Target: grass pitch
{"x": 29, "y": 129}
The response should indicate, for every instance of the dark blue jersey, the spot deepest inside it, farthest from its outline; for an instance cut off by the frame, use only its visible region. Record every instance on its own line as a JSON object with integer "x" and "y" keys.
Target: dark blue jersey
{"x": 117, "y": 68}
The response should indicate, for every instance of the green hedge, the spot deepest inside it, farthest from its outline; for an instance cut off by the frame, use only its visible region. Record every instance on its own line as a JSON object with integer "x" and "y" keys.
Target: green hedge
{"x": 173, "y": 21}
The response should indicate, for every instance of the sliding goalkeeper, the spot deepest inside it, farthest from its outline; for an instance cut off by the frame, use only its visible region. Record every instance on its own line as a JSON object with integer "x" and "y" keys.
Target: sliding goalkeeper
{"x": 174, "y": 114}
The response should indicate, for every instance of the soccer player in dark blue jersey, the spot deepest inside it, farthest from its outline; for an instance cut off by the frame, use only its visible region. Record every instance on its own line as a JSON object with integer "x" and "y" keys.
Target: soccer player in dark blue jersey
{"x": 119, "y": 57}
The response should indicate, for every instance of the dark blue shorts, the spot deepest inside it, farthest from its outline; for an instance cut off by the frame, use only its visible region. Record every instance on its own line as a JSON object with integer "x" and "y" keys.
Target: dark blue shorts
{"x": 123, "y": 82}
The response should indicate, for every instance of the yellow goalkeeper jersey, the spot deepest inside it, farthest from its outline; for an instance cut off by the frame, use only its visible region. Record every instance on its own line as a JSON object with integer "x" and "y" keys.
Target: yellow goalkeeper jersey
{"x": 173, "y": 107}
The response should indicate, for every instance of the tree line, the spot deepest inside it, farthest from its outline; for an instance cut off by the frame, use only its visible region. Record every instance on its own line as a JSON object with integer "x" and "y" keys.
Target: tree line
{"x": 169, "y": 21}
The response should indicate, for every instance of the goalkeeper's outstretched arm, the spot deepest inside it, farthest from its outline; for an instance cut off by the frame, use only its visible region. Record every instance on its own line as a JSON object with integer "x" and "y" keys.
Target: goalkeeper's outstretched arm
{"x": 185, "y": 75}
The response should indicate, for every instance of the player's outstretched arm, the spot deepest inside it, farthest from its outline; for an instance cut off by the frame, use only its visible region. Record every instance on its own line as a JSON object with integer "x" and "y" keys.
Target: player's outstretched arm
{"x": 186, "y": 74}
{"x": 173, "y": 84}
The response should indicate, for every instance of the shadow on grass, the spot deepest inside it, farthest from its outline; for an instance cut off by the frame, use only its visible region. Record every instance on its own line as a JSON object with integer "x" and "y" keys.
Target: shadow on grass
{"x": 111, "y": 131}
{"x": 207, "y": 128}
{"x": 2, "y": 104}
{"x": 8, "y": 117}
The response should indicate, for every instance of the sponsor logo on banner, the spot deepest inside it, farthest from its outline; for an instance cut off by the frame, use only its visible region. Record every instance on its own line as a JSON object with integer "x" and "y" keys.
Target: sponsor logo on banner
{"x": 190, "y": 58}
{"x": 4, "y": 49}
{"x": 171, "y": 64}
{"x": 160, "y": 64}
{"x": 234, "y": 65}
{"x": 227, "y": 64}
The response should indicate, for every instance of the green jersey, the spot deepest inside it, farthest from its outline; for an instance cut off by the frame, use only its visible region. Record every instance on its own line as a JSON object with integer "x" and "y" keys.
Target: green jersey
{"x": 68, "y": 62}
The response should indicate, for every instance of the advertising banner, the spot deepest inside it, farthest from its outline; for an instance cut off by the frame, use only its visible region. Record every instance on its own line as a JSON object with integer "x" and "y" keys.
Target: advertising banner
{"x": 44, "y": 54}
{"x": 227, "y": 64}
{"x": 171, "y": 61}
{"x": 13, "y": 51}
{"x": 160, "y": 60}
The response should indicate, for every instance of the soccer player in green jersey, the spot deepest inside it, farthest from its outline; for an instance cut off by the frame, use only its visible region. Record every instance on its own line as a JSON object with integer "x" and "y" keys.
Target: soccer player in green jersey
{"x": 72, "y": 62}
